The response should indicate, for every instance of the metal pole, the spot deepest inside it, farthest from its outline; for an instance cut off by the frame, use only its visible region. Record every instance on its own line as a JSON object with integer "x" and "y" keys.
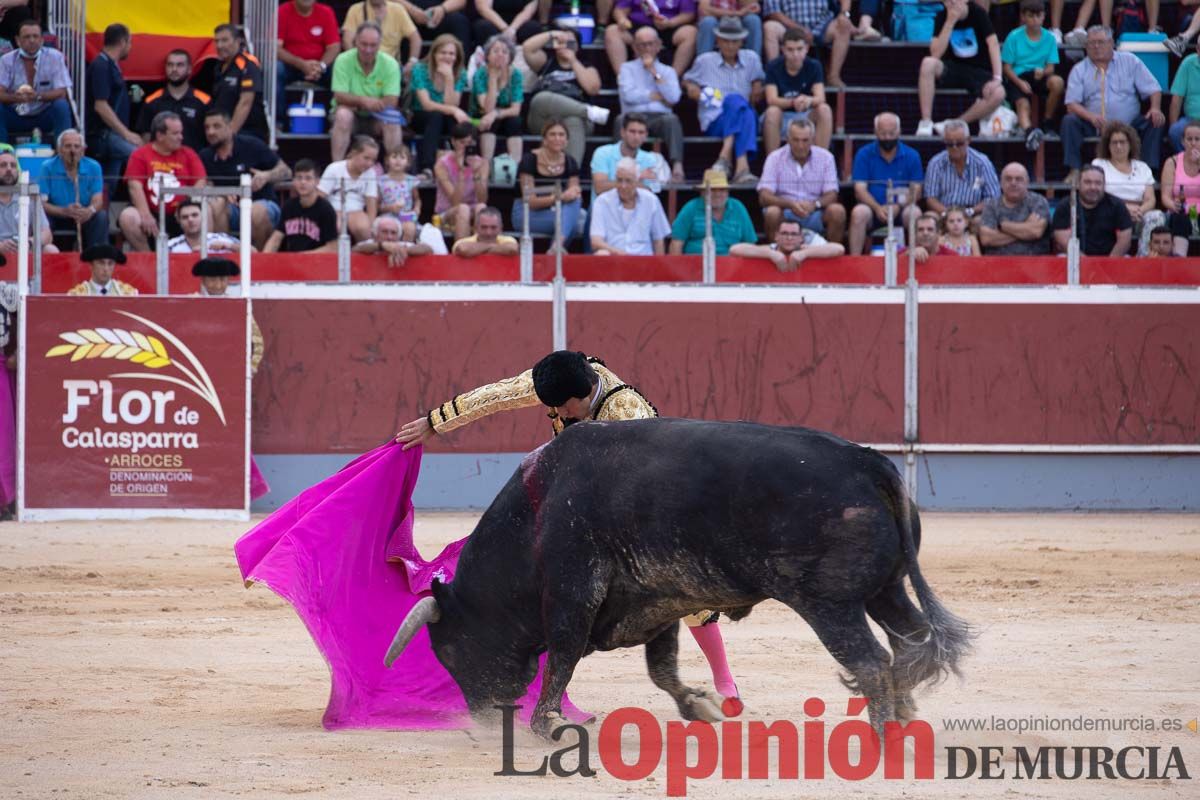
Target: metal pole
{"x": 1073, "y": 246}
{"x": 22, "y": 305}
{"x": 343, "y": 251}
{"x": 560, "y": 313}
{"x": 890, "y": 267}
{"x": 203, "y": 226}
{"x": 912, "y": 376}
{"x": 23, "y": 233}
{"x": 708, "y": 252}
{"x": 558, "y": 231}
{"x": 911, "y": 245}
{"x": 160, "y": 241}
{"x": 36, "y": 218}
{"x": 526, "y": 242}
{"x": 245, "y": 208}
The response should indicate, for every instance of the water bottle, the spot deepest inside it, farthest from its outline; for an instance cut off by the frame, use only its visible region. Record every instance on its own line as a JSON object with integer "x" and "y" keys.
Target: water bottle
{"x": 574, "y": 8}
{"x": 36, "y": 138}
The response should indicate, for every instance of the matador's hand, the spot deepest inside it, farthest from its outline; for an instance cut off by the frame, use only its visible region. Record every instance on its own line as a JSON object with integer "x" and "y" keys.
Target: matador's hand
{"x": 416, "y": 432}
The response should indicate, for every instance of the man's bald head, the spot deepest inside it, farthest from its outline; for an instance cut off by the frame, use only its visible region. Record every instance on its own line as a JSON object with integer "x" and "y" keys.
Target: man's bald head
{"x": 1014, "y": 182}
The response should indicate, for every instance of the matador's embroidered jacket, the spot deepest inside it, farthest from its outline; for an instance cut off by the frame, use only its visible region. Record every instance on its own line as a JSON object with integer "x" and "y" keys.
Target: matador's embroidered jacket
{"x": 615, "y": 401}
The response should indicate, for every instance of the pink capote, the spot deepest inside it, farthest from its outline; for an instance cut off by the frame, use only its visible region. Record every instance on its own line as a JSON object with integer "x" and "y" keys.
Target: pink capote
{"x": 8, "y": 435}
{"x": 258, "y": 483}
{"x": 327, "y": 553}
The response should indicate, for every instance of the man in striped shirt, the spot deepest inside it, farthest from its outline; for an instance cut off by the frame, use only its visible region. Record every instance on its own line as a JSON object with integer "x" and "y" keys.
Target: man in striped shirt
{"x": 960, "y": 175}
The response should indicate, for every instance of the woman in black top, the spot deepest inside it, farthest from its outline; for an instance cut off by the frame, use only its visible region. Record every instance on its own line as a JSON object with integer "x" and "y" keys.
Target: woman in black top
{"x": 564, "y": 88}
{"x": 540, "y": 170}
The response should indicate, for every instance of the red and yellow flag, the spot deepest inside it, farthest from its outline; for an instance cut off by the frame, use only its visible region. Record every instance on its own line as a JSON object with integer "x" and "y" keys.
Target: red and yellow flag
{"x": 157, "y": 30}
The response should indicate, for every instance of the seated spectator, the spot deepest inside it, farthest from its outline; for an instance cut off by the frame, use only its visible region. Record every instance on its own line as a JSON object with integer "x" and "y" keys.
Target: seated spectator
{"x": 438, "y": 85}
{"x": 34, "y": 87}
{"x": 711, "y": 12}
{"x": 793, "y": 246}
{"x": 959, "y": 175}
{"x": 103, "y": 259}
{"x": 462, "y": 181}
{"x": 307, "y": 222}
{"x": 564, "y": 87}
{"x": 167, "y": 159}
{"x": 955, "y": 233}
{"x": 10, "y": 207}
{"x": 497, "y": 91}
{"x": 1180, "y": 182}
{"x": 628, "y": 220}
{"x": 647, "y": 87}
{"x": 652, "y": 168}
{"x": 1014, "y": 224}
{"x": 352, "y": 187}
{"x": 1185, "y": 98}
{"x": 1077, "y": 36}
{"x": 441, "y": 17}
{"x": 1102, "y": 219}
{"x": 1109, "y": 87}
{"x": 795, "y": 89}
{"x": 308, "y": 44}
{"x": 73, "y": 191}
{"x": 1162, "y": 243}
{"x": 191, "y": 221}
{"x": 398, "y": 195}
{"x": 964, "y": 54}
{"x": 395, "y": 28}
{"x": 488, "y": 238}
{"x": 875, "y": 164}
{"x": 730, "y": 220}
{"x": 366, "y": 93}
{"x": 1129, "y": 180}
{"x": 820, "y": 25}
{"x": 109, "y": 138}
{"x": 673, "y": 18}
{"x": 1029, "y": 55}
{"x": 540, "y": 170}
{"x": 512, "y": 19}
{"x": 238, "y": 83}
{"x": 927, "y": 240}
{"x": 228, "y": 157}
{"x": 387, "y": 239}
{"x": 726, "y": 86}
{"x": 800, "y": 182}
{"x": 179, "y": 97}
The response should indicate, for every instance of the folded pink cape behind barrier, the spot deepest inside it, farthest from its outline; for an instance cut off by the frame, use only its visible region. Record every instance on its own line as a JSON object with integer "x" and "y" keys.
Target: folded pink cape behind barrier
{"x": 327, "y": 553}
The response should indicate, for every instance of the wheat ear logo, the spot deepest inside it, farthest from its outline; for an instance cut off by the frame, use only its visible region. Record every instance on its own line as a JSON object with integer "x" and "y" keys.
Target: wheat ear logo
{"x": 142, "y": 349}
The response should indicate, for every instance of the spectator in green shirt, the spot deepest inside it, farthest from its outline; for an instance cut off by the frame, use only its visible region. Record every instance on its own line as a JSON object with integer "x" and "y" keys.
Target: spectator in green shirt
{"x": 1185, "y": 98}
{"x": 730, "y": 220}
{"x": 366, "y": 93}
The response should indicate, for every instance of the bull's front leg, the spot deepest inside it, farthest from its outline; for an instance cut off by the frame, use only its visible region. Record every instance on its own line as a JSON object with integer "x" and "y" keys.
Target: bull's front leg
{"x": 566, "y": 643}
{"x": 662, "y": 660}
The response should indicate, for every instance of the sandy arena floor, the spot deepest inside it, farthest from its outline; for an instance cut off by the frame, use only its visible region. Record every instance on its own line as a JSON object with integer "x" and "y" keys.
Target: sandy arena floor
{"x": 134, "y": 664}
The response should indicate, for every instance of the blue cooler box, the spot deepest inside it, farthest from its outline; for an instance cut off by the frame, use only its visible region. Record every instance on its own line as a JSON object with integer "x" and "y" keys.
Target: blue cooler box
{"x": 1150, "y": 49}
{"x": 306, "y": 118}
{"x": 31, "y": 156}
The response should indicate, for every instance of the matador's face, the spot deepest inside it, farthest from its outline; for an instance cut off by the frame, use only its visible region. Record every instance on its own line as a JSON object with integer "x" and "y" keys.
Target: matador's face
{"x": 577, "y": 408}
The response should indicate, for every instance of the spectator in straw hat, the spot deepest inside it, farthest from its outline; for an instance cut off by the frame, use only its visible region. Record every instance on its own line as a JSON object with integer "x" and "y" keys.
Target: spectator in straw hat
{"x": 103, "y": 259}
{"x": 731, "y": 222}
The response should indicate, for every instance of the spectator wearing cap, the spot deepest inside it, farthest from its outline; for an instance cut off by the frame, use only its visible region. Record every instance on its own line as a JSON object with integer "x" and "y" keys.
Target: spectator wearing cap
{"x": 1108, "y": 86}
{"x": 628, "y": 220}
{"x": 649, "y": 88}
{"x": 795, "y": 89}
{"x": 731, "y": 222}
{"x": 800, "y": 182}
{"x": 959, "y": 175}
{"x": 366, "y": 93}
{"x": 238, "y": 83}
{"x": 674, "y": 18}
{"x": 10, "y": 207}
{"x": 72, "y": 190}
{"x": 489, "y": 237}
{"x": 308, "y": 44}
{"x": 820, "y": 24}
{"x": 34, "y": 87}
{"x": 792, "y": 246}
{"x": 887, "y": 160}
{"x": 727, "y": 85}
{"x": 711, "y": 12}
{"x": 964, "y": 54}
{"x": 110, "y": 138}
{"x": 103, "y": 259}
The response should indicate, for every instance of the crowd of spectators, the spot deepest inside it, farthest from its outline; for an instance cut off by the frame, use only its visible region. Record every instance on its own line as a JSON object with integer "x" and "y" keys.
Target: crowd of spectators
{"x": 419, "y": 91}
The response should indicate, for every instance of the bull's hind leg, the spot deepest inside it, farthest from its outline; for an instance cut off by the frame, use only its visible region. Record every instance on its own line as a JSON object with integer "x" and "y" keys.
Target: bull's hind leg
{"x": 844, "y": 631}
{"x": 907, "y": 630}
{"x": 663, "y": 663}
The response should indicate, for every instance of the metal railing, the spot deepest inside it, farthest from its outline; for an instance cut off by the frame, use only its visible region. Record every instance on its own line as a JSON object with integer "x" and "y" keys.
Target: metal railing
{"x": 67, "y": 19}
{"x": 245, "y": 207}
{"x": 261, "y": 23}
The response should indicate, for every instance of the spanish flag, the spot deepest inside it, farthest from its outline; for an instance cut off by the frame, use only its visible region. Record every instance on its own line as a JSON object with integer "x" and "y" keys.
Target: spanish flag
{"x": 158, "y": 28}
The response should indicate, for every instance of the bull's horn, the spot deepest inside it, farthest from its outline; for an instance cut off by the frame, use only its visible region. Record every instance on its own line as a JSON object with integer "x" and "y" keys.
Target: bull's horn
{"x": 424, "y": 612}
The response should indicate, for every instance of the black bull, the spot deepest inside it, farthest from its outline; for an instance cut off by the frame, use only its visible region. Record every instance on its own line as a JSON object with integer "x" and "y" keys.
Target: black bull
{"x": 609, "y": 534}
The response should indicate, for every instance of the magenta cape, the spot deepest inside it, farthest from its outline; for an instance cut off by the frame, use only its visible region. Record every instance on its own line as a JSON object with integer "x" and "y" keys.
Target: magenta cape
{"x": 327, "y": 553}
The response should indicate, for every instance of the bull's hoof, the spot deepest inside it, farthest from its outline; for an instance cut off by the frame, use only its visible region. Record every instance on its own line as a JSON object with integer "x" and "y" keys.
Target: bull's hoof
{"x": 547, "y": 725}
{"x": 701, "y": 706}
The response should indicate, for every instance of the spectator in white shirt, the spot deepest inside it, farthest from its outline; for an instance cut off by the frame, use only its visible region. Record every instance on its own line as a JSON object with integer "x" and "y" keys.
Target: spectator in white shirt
{"x": 628, "y": 220}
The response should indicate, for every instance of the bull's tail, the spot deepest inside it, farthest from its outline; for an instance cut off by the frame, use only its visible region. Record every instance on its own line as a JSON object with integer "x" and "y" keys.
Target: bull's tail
{"x": 935, "y": 653}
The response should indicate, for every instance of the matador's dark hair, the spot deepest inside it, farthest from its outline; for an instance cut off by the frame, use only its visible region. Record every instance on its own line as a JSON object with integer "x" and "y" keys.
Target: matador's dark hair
{"x": 563, "y": 375}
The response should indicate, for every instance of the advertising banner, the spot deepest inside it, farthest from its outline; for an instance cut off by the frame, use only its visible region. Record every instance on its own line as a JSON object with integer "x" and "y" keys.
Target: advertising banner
{"x": 135, "y": 407}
